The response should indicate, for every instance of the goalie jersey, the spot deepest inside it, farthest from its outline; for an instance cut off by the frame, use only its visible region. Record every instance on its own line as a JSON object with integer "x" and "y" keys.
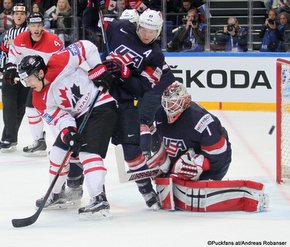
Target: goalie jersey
{"x": 198, "y": 129}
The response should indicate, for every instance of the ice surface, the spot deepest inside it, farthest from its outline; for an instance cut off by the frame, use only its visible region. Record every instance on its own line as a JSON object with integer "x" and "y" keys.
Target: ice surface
{"x": 23, "y": 180}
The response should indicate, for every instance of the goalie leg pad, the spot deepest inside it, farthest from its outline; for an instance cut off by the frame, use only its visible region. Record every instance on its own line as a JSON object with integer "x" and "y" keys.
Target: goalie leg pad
{"x": 214, "y": 196}
{"x": 164, "y": 187}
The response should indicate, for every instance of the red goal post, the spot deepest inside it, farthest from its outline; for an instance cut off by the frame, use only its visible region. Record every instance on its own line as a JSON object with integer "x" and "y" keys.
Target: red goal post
{"x": 282, "y": 120}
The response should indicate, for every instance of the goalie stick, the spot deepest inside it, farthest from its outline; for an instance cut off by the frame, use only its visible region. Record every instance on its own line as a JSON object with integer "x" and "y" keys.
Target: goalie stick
{"x": 31, "y": 219}
{"x": 125, "y": 176}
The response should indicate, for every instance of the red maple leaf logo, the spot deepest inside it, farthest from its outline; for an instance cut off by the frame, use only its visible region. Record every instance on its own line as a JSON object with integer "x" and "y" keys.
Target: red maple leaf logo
{"x": 65, "y": 101}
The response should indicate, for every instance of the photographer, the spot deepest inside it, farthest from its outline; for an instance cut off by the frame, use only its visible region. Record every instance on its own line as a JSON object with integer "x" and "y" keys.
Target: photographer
{"x": 234, "y": 36}
{"x": 271, "y": 34}
{"x": 190, "y": 36}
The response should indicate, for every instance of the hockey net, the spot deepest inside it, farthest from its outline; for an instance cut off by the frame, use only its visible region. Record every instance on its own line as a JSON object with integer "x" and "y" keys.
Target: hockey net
{"x": 283, "y": 120}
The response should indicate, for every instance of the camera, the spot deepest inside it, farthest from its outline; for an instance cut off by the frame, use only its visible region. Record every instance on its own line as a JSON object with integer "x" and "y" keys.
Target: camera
{"x": 194, "y": 22}
{"x": 270, "y": 21}
{"x": 231, "y": 27}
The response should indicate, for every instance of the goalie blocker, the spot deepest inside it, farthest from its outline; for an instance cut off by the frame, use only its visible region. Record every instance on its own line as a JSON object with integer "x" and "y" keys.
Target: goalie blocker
{"x": 211, "y": 196}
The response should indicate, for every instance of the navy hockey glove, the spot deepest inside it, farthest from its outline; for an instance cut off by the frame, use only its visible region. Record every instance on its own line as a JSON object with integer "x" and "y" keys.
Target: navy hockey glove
{"x": 117, "y": 65}
{"x": 146, "y": 139}
{"x": 10, "y": 73}
{"x": 101, "y": 77}
{"x": 72, "y": 139}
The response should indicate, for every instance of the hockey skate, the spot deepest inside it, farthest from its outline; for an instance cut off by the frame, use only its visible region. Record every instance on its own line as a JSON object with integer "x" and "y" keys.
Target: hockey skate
{"x": 8, "y": 147}
{"x": 37, "y": 148}
{"x": 98, "y": 208}
{"x": 55, "y": 201}
{"x": 74, "y": 195}
{"x": 152, "y": 200}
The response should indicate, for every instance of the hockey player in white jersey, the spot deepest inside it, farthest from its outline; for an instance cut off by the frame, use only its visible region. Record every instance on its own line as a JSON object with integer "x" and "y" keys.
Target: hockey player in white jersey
{"x": 62, "y": 93}
{"x": 39, "y": 42}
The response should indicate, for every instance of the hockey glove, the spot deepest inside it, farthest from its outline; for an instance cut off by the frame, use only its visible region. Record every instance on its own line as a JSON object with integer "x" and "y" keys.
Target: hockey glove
{"x": 101, "y": 77}
{"x": 72, "y": 139}
{"x": 117, "y": 64}
{"x": 146, "y": 139}
{"x": 189, "y": 166}
{"x": 10, "y": 73}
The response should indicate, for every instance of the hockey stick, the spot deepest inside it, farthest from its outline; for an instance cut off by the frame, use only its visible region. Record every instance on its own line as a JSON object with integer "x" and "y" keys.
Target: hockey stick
{"x": 105, "y": 40}
{"x": 124, "y": 176}
{"x": 31, "y": 219}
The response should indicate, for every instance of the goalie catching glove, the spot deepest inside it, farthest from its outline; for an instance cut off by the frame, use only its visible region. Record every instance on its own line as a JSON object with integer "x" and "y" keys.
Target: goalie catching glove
{"x": 72, "y": 139}
{"x": 189, "y": 166}
{"x": 101, "y": 76}
{"x": 117, "y": 65}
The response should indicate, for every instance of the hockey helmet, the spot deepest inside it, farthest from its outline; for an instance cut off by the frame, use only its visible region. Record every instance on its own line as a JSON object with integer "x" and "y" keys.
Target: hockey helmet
{"x": 30, "y": 65}
{"x": 151, "y": 19}
{"x": 131, "y": 15}
{"x": 19, "y": 7}
{"x": 175, "y": 99}
{"x": 35, "y": 18}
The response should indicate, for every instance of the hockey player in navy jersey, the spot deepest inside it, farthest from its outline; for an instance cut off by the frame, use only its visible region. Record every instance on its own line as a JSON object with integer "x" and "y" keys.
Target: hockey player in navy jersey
{"x": 198, "y": 154}
{"x": 136, "y": 59}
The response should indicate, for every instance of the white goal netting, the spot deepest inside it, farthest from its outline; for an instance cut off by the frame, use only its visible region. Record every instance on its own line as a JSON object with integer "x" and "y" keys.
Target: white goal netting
{"x": 283, "y": 129}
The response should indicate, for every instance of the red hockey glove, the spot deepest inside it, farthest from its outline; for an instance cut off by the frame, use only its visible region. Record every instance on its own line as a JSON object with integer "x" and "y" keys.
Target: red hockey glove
{"x": 189, "y": 166}
{"x": 10, "y": 73}
{"x": 101, "y": 77}
{"x": 117, "y": 64}
{"x": 72, "y": 139}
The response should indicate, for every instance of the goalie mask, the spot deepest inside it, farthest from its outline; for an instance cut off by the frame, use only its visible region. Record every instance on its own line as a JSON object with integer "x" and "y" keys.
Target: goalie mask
{"x": 130, "y": 15}
{"x": 152, "y": 20}
{"x": 30, "y": 65}
{"x": 175, "y": 99}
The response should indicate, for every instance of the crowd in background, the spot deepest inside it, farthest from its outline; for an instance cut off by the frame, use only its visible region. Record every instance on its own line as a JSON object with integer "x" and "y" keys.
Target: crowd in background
{"x": 186, "y": 19}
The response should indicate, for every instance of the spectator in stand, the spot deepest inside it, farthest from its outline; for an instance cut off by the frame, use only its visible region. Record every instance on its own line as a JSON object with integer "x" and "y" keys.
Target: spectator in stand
{"x": 61, "y": 21}
{"x": 281, "y": 6}
{"x": 35, "y": 8}
{"x": 6, "y": 19}
{"x": 190, "y": 36}
{"x": 186, "y": 5}
{"x": 284, "y": 20}
{"x": 272, "y": 37}
{"x": 234, "y": 36}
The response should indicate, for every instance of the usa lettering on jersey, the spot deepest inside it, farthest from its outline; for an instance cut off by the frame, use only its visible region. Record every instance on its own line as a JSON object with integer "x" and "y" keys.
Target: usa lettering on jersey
{"x": 173, "y": 146}
{"x": 137, "y": 58}
{"x": 203, "y": 123}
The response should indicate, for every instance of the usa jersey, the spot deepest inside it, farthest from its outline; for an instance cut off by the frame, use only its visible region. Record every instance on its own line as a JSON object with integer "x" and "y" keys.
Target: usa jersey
{"x": 23, "y": 46}
{"x": 148, "y": 60}
{"x": 198, "y": 129}
{"x": 70, "y": 92}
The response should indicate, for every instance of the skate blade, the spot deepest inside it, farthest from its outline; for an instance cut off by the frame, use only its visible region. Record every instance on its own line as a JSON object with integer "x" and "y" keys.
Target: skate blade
{"x": 35, "y": 154}
{"x": 63, "y": 206}
{"x": 155, "y": 207}
{"x": 8, "y": 150}
{"x": 103, "y": 214}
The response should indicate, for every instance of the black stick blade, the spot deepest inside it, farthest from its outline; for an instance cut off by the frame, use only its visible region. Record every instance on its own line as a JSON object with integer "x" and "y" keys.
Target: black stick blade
{"x": 26, "y": 221}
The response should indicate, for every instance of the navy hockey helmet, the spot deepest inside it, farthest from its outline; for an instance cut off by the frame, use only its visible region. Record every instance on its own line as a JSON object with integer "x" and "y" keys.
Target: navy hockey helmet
{"x": 175, "y": 99}
{"x": 30, "y": 65}
{"x": 19, "y": 7}
{"x": 35, "y": 18}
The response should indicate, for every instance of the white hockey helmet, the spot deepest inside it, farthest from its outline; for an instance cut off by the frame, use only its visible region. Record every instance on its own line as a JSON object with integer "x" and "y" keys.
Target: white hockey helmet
{"x": 131, "y": 15}
{"x": 151, "y": 19}
{"x": 175, "y": 99}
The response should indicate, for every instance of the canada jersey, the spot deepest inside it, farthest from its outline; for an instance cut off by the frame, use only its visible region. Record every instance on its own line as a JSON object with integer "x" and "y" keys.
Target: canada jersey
{"x": 70, "y": 92}
{"x": 147, "y": 59}
{"x": 198, "y": 129}
{"x": 23, "y": 46}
